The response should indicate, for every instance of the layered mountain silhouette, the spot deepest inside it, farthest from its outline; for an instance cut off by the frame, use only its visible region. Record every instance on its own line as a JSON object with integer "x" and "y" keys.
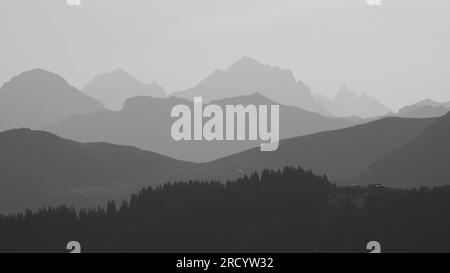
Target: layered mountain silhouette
{"x": 114, "y": 88}
{"x": 424, "y": 161}
{"x": 39, "y": 98}
{"x": 347, "y": 103}
{"x": 146, "y": 123}
{"x": 39, "y": 169}
{"x": 248, "y": 76}
{"x": 341, "y": 154}
{"x": 425, "y": 109}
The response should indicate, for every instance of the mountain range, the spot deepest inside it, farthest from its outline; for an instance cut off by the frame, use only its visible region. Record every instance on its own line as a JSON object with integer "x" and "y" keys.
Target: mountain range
{"x": 347, "y": 103}
{"x": 38, "y": 168}
{"x": 248, "y": 76}
{"x": 425, "y": 109}
{"x": 114, "y": 88}
{"x": 91, "y": 154}
{"x": 145, "y": 122}
{"x": 39, "y": 98}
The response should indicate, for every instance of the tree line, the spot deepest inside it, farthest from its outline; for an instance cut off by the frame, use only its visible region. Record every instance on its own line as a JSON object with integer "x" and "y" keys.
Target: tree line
{"x": 290, "y": 210}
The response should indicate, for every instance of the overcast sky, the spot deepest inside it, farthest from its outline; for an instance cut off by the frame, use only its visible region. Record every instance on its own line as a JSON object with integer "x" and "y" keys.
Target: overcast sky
{"x": 398, "y": 52}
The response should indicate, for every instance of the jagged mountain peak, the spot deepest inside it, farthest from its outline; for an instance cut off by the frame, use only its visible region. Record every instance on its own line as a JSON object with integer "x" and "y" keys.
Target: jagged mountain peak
{"x": 115, "y": 87}
{"x": 248, "y": 76}
{"x": 245, "y": 63}
{"x": 345, "y": 92}
{"x": 347, "y": 103}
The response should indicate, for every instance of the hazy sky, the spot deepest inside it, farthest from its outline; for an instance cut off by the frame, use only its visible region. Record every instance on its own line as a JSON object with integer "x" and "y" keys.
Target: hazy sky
{"x": 398, "y": 52}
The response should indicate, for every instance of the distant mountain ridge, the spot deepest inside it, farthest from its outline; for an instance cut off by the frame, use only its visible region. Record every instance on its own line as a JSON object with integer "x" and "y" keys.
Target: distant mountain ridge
{"x": 347, "y": 103}
{"x": 248, "y": 76}
{"x": 424, "y": 109}
{"x": 39, "y": 98}
{"x": 145, "y": 122}
{"x": 114, "y": 88}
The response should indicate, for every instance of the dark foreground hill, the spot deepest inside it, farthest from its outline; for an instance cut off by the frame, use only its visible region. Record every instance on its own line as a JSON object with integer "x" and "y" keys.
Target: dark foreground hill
{"x": 288, "y": 211}
{"x": 341, "y": 154}
{"x": 424, "y": 161}
{"x": 38, "y": 168}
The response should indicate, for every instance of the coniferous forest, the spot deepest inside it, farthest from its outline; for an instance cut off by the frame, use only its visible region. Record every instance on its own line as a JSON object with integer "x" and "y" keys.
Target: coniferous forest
{"x": 291, "y": 210}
